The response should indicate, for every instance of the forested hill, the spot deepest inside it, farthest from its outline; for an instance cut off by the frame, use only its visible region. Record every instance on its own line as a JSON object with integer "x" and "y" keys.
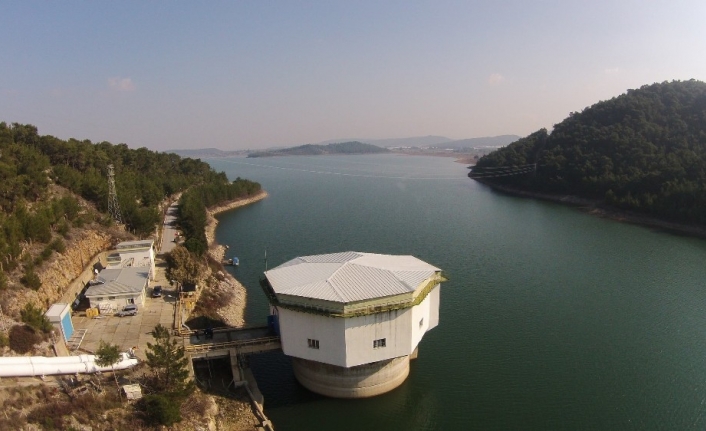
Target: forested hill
{"x": 644, "y": 151}
{"x": 48, "y": 186}
{"x": 354, "y": 147}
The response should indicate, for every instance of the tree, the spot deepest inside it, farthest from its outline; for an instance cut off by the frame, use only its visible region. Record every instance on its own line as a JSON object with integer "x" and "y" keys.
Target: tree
{"x": 169, "y": 364}
{"x": 182, "y": 266}
{"x": 161, "y": 410}
{"x": 107, "y": 354}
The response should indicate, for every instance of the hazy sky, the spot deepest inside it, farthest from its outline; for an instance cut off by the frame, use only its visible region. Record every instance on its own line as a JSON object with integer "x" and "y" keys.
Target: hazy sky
{"x": 236, "y": 75}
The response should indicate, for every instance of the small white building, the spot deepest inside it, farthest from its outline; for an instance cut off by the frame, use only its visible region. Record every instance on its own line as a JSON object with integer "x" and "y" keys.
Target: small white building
{"x": 133, "y": 254}
{"x": 352, "y": 321}
{"x": 60, "y": 316}
{"x": 112, "y": 289}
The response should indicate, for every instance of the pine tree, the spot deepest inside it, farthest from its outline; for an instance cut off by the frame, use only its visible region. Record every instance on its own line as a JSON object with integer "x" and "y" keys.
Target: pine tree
{"x": 169, "y": 364}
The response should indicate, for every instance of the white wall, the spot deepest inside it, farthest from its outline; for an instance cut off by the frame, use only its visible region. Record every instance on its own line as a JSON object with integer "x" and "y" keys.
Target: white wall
{"x": 295, "y": 328}
{"x": 347, "y": 342}
{"x": 394, "y": 326}
{"x": 120, "y": 301}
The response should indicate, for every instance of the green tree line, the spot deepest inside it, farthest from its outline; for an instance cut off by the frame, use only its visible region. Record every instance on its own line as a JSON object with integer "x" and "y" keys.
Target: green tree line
{"x": 644, "y": 151}
{"x": 193, "y": 203}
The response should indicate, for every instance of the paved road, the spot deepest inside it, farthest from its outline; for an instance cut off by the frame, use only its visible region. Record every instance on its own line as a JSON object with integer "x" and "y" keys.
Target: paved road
{"x": 169, "y": 232}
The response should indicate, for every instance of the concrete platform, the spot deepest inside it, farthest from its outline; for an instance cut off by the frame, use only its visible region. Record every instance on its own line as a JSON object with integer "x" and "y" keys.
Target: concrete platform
{"x": 130, "y": 331}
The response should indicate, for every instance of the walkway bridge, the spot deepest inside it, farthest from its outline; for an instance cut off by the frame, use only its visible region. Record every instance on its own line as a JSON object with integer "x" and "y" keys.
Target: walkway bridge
{"x": 234, "y": 344}
{"x": 229, "y": 342}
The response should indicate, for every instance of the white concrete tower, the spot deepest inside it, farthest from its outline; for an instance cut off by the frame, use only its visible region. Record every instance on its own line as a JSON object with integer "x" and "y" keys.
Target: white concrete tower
{"x": 352, "y": 321}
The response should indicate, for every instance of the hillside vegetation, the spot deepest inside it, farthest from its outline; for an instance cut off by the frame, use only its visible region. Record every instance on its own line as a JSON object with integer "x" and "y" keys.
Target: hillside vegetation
{"x": 49, "y": 186}
{"x": 354, "y": 147}
{"x": 643, "y": 151}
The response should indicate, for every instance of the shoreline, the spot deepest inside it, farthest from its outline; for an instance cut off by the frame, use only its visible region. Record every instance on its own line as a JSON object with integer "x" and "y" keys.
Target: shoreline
{"x": 232, "y": 313}
{"x": 598, "y": 209}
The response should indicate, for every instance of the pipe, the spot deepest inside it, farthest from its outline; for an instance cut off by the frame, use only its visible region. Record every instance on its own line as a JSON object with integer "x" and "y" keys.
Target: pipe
{"x": 32, "y": 366}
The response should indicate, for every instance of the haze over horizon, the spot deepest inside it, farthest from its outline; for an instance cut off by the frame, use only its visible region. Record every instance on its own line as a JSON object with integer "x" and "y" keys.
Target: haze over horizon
{"x": 251, "y": 75}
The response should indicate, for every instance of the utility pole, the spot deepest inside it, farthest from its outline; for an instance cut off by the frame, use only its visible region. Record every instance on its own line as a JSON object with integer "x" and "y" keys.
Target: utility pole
{"x": 113, "y": 205}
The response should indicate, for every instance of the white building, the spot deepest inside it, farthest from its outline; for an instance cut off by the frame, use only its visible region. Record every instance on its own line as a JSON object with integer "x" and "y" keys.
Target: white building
{"x": 133, "y": 254}
{"x": 352, "y": 321}
{"x": 60, "y": 316}
{"x": 112, "y": 289}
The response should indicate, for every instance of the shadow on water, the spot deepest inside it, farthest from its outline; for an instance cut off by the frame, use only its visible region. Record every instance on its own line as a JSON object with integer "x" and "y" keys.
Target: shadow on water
{"x": 275, "y": 377}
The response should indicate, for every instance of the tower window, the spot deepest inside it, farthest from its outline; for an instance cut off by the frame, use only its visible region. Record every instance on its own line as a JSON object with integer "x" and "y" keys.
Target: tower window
{"x": 421, "y": 322}
{"x": 313, "y": 344}
{"x": 379, "y": 343}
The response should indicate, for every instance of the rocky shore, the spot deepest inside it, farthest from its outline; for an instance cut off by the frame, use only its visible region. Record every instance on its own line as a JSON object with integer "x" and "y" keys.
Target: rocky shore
{"x": 232, "y": 313}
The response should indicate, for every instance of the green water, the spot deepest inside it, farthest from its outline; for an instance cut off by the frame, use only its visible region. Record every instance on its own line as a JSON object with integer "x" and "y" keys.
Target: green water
{"x": 552, "y": 319}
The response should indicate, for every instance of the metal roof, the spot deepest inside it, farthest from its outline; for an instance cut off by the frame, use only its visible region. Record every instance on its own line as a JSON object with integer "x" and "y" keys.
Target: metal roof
{"x": 56, "y": 310}
{"x": 119, "y": 281}
{"x": 143, "y": 243}
{"x": 350, "y": 276}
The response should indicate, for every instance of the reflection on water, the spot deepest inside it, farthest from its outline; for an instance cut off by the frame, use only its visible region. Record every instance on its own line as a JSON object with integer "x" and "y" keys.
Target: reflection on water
{"x": 552, "y": 319}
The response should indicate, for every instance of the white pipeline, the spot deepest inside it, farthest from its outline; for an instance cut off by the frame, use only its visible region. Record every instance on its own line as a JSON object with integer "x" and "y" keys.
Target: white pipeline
{"x": 32, "y": 366}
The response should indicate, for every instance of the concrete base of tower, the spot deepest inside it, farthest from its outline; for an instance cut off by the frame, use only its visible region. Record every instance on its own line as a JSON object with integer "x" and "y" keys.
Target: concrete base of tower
{"x": 362, "y": 381}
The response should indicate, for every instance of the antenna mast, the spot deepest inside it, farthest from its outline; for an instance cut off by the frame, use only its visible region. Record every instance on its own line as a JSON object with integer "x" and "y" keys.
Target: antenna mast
{"x": 113, "y": 205}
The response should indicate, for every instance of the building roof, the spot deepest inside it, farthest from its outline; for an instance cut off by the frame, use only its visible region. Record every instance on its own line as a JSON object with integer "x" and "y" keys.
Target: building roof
{"x": 145, "y": 243}
{"x": 120, "y": 281}
{"x": 56, "y": 310}
{"x": 349, "y": 276}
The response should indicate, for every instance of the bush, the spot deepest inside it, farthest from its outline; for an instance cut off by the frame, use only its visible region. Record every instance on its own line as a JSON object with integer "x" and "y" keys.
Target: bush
{"x": 31, "y": 279}
{"x": 63, "y": 228}
{"x": 44, "y": 255}
{"x": 161, "y": 410}
{"x": 4, "y": 341}
{"x": 34, "y": 317}
{"x": 58, "y": 245}
{"x": 23, "y": 338}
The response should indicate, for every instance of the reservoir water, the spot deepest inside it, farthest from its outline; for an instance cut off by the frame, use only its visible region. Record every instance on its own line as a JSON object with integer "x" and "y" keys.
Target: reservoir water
{"x": 552, "y": 319}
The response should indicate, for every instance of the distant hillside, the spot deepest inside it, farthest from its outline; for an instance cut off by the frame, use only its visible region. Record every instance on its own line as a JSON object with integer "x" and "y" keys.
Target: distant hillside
{"x": 206, "y": 152}
{"x": 416, "y": 141}
{"x": 441, "y": 142}
{"x": 486, "y": 142}
{"x": 643, "y": 151}
{"x": 317, "y": 150}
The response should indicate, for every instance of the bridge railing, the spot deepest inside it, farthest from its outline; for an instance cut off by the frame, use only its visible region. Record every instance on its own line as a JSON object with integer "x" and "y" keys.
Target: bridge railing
{"x": 207, "y": 347}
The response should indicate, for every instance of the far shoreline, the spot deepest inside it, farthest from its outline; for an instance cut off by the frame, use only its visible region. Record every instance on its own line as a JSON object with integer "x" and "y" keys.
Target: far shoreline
{"x": 596, "y": 208}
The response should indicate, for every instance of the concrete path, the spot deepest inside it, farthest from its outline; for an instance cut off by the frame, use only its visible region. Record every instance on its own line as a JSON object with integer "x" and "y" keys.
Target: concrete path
{"x": 169, "y": 230}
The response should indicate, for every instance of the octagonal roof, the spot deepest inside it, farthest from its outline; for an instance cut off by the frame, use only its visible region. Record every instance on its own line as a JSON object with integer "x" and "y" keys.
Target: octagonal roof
{"x": 349, "y": 276}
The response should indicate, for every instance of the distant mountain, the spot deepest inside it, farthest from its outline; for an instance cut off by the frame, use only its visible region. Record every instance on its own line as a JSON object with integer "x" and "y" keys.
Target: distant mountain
{"x": 416, "y": 141}
{"x": 316, "y": 150}
{"x": 486, "y": 142}
{"x": 435, "y": 141}
{"x": 207, "y": 152}
{"x": 430, "y": 141}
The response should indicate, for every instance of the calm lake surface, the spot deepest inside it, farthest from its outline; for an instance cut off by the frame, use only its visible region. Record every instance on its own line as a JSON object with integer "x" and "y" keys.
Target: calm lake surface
{"x": 552, "y": 319}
